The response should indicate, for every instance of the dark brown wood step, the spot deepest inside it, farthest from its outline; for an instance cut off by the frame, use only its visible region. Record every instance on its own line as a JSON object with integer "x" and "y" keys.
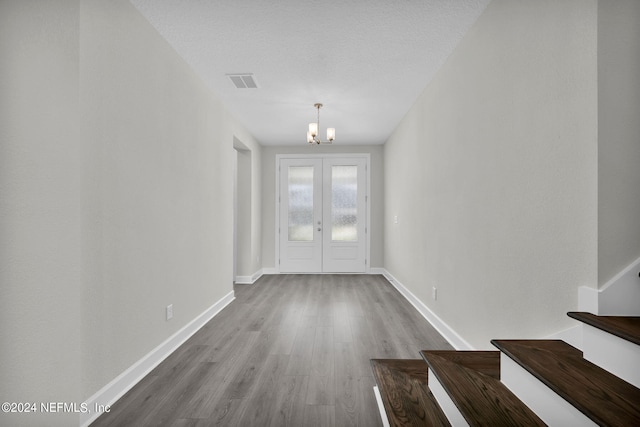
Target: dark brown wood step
{"x": 625, "y": 327}
{"x": 601, "y": 396}
{"x": 403, "y": 385}
{"x": 471, "y": 378}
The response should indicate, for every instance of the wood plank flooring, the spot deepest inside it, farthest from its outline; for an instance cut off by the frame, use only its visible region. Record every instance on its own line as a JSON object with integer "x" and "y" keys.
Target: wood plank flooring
{"x": 291, "y": 350}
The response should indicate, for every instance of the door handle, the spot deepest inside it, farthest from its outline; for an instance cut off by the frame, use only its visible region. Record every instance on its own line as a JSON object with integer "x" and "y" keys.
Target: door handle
{"x": 319, "y": 229}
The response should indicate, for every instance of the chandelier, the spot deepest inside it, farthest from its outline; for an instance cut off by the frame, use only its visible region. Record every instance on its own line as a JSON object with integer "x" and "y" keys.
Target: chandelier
{"x": 312, "y": 134}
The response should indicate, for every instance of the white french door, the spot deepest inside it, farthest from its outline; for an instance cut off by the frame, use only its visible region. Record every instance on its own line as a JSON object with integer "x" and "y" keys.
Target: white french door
{"x": 323, "y": 215}
{"x": 301, "y": 220}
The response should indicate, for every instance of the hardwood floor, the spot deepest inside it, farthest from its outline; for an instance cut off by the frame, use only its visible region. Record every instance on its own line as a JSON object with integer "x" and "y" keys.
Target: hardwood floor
{"x": 291, "y": 350}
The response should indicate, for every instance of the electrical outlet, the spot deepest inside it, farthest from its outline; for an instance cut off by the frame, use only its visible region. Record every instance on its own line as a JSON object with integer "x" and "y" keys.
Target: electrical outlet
{"x": 434, "y": 293}
{"x": 395, "y": 219}
{"x": 169, "y": 311}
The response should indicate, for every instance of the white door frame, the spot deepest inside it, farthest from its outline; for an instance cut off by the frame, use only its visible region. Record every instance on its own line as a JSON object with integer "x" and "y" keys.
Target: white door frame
{"x": 367, "y": 157}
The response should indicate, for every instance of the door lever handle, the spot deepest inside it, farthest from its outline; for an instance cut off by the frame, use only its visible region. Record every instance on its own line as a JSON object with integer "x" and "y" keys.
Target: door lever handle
{"x": 319, "y": 229}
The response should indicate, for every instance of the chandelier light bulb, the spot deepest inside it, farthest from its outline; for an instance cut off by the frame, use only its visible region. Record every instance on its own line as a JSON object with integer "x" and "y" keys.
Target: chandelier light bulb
{"x": 331, "y": 134}
{"x": 313, "y": 129}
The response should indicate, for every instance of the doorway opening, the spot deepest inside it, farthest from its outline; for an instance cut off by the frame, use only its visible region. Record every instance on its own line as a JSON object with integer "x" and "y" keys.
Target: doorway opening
{"x": 241, "y": 210}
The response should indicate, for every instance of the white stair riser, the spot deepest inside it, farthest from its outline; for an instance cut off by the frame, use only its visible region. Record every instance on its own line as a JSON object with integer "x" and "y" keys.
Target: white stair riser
{"x": 383, "y": 413}
{"x": 616, "y": 355}
{"x": 549, "y": 406}
{"x": 446, "y": 404}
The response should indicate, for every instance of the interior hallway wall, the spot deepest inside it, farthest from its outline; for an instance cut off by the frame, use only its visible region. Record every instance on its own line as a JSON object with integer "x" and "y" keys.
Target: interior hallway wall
{"x": 41, "y": 166}
{"x": 158, "y": 190}
{"x": 618, "y": 136}
{"x": 117, "y": 197}
{"x": 493, "y": 175}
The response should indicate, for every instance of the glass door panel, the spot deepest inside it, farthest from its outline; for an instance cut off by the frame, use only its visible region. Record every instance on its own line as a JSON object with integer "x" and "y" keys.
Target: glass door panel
{"x": 344, "y": 203}
{"x": 300, "y": 187}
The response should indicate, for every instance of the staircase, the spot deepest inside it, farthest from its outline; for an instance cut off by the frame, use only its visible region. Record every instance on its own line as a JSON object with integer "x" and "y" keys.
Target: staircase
{"x": 525, "y": 383}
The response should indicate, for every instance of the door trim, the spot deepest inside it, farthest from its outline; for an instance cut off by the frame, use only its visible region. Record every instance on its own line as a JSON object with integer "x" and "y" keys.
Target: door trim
{"x": 367, "y": 157}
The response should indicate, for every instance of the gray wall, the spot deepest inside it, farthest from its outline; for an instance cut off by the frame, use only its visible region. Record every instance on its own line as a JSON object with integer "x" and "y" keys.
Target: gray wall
{"x": 158, "y": 190}
{"x": 41, "y": 207}
{"x": 618, "y": 136}
{"x": 116, "y": 198}
{"x": 493, "y": 175}
{"x": 269, "y": 195}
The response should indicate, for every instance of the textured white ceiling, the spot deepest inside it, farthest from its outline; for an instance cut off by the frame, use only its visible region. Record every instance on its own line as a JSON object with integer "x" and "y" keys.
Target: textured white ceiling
{"x": 365, "y": 60}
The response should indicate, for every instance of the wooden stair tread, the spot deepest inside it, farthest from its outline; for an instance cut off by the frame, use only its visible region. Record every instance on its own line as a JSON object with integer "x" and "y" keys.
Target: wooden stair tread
{"x": 403, "y": 386}
{"x": 478, "y": 393}
{"x": 486, "y": 362}
{"x": 625, "y": 327}
{"x": 601, "y": 396}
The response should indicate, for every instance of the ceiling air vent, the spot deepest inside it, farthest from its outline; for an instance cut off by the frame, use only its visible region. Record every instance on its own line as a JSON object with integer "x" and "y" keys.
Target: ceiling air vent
{"x": 243, "y": 81}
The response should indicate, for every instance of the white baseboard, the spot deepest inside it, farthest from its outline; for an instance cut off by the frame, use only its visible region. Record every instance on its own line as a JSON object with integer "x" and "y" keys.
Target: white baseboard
{"x": 273, "y": 270}
{"x": 249, "y": 280}
{"x": 111, "y": 392}
{"x": 445, "y": 330}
